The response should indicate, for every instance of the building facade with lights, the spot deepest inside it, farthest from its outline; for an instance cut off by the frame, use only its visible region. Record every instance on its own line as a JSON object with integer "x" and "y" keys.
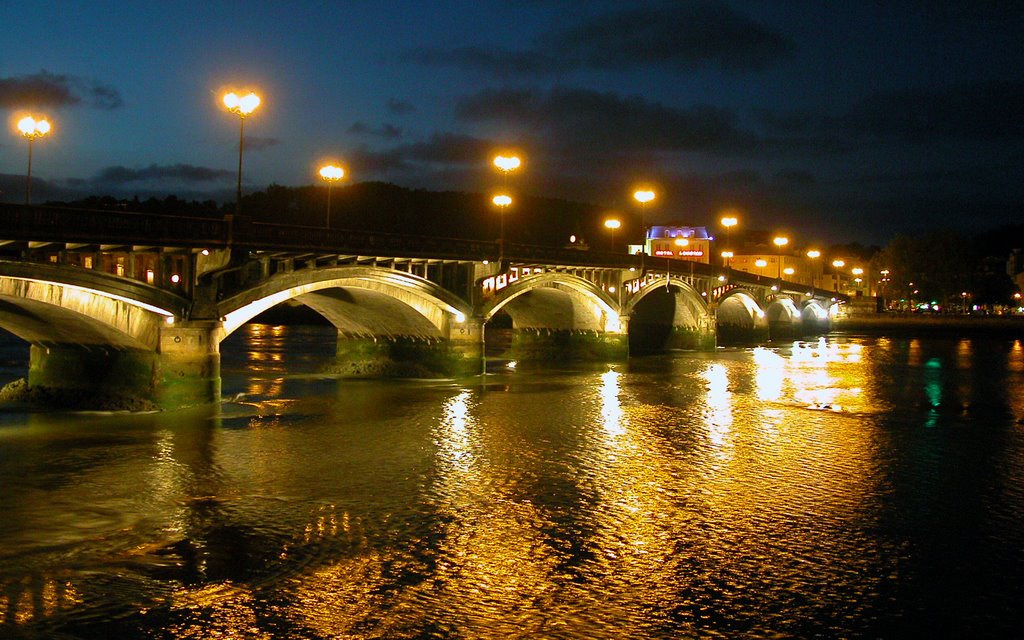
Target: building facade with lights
{"x": 678, "y": 242}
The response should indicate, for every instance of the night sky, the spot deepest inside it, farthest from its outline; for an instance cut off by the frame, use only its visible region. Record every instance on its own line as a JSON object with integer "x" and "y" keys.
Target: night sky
{"x": 831, "y": 121}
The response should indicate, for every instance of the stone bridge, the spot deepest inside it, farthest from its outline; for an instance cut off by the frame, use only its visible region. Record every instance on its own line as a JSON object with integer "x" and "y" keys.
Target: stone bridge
{"x": 138, "y": 305}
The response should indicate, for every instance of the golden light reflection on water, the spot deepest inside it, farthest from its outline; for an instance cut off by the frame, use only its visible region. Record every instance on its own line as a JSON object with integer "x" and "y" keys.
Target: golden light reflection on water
{"x": 612, "y": 416}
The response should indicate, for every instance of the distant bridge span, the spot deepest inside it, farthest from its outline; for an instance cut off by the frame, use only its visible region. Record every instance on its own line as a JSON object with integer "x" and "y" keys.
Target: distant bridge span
{"x": 149, "y": 298}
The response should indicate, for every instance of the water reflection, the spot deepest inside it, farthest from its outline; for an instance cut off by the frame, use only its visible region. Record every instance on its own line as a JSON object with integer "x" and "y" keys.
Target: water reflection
{"x": 786, "y": 491}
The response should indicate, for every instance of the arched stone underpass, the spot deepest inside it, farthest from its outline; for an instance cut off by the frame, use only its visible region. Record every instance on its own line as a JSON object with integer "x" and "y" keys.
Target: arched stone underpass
{"x": 94, "y": 340}
{"x": 815, "y": 318}
{"x": 557, "y": 317}
{"x": 740, "y": 320}
{"x": 666, "y": 318}
{"x": 388, "y": 323}
{"x": 784, "y": 320}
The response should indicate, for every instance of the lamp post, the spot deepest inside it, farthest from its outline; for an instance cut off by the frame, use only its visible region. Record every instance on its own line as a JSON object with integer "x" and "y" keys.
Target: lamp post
{"x": 643, "y": 196}
{"x": 503, "y": 201}
{"x": 726, "y": 257}
{"x": 814, "y": 254}
{"x": 32, "y": 129}
{"x": 241, "y": 107}
{"x": 760, "y": 263}
{"x": 837, "y": 264}
{"x": 780, "y": 241}
{"x": 330, "y": 174}
{"x": 612, "y": 224}
{"x": 728, "y": 222}
{"x": 507, "y": 164}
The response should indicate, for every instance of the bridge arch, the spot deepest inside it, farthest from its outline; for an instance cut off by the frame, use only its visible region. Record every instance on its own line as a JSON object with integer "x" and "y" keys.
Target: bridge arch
{"x": 359, "y": 301}
{"x": 664, "y": 316}
{"x": 58, "y": 305}
{"x": 740, "y": 318}
{"x": 557, "y": 301}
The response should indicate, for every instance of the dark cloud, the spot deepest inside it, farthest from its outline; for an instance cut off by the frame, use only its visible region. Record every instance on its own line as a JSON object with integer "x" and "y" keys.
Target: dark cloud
{"x": 45, "y": 89}
{"x": 116, "y": 175}
{"x": 982, "y": 110}
{"x": 387, "y": 131}
{"x": 258, "y": 143}
{"x": 679, "y": 37}
{"x": 495, "y": 61}
{"x": 580, "y": 119}
{"x": 400, "y": 107}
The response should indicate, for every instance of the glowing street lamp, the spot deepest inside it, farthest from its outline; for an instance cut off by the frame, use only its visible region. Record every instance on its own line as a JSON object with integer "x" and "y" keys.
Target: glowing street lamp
{"x": 31, "y": 128}
{"x": 780, "y": 241}
{"x": 503, "y": 201}
{"x": 837, "y": 264}
{"x": 241, "y": 106}
{"x": 726, "y": 257}
{"x": 507, "y": 163}
{"x": 330, "y": 174}
{"x": 814, "y": 254}
{"x": 612, "y": 224}
{"x": 643, "y": 196}
{"x": 760, "y": 263}
{"x": 728, "y": 222}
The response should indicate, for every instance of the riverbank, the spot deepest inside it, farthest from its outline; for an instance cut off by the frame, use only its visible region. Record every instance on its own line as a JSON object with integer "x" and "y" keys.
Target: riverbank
{"x": 939, "y": 324}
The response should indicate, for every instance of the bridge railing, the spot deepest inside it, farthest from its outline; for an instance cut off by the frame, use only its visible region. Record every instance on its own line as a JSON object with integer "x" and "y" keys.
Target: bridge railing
{"x": 57, "y": 224}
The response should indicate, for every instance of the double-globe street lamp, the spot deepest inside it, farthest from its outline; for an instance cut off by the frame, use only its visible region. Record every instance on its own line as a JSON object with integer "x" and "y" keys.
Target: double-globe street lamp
{"x": 780, "y": 241}
{"x": 31, "y": 128}
{"x": 728, "y": 222}
{"x": 611, "y": 224}
{"x": 242, "y": 107}
{"x": 502, "y": 201}
{"x": 643, "y": 196}
{"x": 330, "y": 174}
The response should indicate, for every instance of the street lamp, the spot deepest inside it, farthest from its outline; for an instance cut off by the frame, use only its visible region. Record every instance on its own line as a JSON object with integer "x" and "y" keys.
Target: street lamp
{"x": 32, "y": 129}
{"x": 330, "y": 174}
{"x": 643, "y": 196}
{"x": 837, "y": 265}
{"x": 507, "y": 164}
{"x": 241, "y": 106}
{"x": 726, "y": 257}
{"x": 814, "y": 254}
{"x": 728, "y": 222}
{"x": 780, "y": 241}
{"x": 760, "y": 263}
{"x": 502, "y": 201}
{"x": 612, "y": 224}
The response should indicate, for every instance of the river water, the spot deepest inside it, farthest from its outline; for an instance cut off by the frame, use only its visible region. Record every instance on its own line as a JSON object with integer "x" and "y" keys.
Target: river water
{"x": 847, "y": 487}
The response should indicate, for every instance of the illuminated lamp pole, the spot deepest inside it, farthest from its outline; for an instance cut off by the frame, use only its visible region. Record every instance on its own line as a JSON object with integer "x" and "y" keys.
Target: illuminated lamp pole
{"x": 760, "y": 263}
{"x": 728, "y": 222}
{"x": 857, "y": 271}
{"x": 780, "y": 241}
{"x": 32, "y": 129}
{"x": 726, "y": 257}
{"x": 611, "y": 224}
{"x": 836, "y": 266}
{"x": 241, "y": 107}
{"x": 643, "y": 197}
{"x": 813, "y": 254}
{"x": 330, "y": 174}
{"x": 502, "y": 201}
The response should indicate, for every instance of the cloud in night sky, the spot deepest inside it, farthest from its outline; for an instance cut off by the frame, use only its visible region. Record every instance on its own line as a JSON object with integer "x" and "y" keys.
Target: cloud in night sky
{"x": 679, "y": 37}
{"x": 604, "y": 122}
{"x": 120, "y": 175}
{"x": 400, "y": 107}
{"x": 45, "y": 89}
{"x": 387, "y": 131}
{"x": 259, "y": 143}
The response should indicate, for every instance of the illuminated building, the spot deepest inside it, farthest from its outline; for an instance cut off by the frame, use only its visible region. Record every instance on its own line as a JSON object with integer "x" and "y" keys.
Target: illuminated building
{"x": 678, "y": 242}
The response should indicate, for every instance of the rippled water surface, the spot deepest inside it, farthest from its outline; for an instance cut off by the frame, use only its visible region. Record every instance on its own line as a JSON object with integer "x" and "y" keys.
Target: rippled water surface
{"x": 852, "y": 487}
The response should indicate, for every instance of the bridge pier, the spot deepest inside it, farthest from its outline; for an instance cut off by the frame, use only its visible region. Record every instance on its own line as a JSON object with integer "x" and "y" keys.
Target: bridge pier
{"x": 189, "y": 364}
{"x": 412, "y": 356}
{"x": 92, "y": 375}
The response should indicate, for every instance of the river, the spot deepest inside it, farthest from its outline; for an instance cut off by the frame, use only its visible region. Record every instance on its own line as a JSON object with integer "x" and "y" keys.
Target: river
{"x": 852, "y": 486}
